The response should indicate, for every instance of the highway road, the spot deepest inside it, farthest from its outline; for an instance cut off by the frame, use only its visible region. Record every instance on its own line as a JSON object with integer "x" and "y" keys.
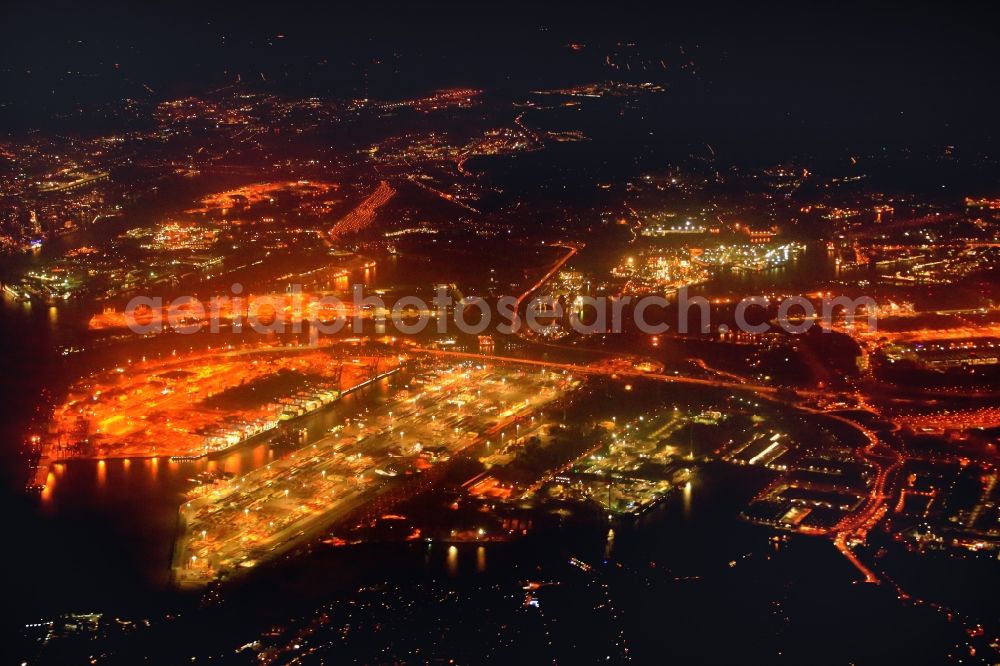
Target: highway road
{"x": 572, "y": 250}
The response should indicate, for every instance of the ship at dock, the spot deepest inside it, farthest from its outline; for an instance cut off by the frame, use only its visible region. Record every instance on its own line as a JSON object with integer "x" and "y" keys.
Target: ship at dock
{"x": 38, "y": 467}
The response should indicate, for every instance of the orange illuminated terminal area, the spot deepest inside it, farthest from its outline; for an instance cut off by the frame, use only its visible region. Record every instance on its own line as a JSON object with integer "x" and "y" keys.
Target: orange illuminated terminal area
{"x": 261, "y": 193}
{"x": 191, "y": 405}
{"x": 235, "y": 524}
{"x": 264, "y": 309}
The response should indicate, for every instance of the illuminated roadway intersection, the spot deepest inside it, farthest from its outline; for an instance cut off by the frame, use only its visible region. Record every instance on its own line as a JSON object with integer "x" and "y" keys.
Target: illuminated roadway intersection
{"x": 239, "y": 523}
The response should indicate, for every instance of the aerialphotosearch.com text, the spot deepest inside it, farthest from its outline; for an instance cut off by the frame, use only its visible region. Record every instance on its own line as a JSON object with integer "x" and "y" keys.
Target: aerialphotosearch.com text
{"x": 329, "y": 314}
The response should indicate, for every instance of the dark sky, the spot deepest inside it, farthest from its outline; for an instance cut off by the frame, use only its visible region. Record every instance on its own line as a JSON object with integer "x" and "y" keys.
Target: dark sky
{"x": 909, "y": 72}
